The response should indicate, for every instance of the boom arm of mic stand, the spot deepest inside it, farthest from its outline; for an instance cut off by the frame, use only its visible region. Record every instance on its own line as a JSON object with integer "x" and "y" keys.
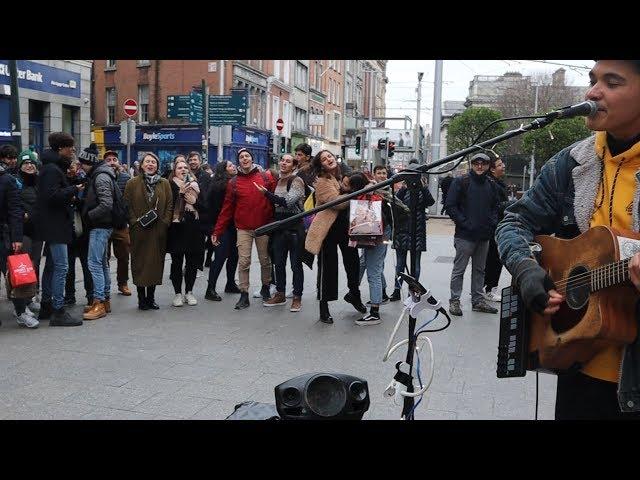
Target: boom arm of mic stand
{"x": 408, "y": 173}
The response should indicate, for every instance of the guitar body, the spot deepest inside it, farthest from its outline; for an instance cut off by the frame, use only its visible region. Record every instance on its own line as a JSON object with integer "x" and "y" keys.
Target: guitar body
{"x": 587, "y": 321}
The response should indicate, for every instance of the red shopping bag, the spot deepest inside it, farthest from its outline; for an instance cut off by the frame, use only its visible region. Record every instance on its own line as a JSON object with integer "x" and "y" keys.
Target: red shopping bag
{"x": 20, "y": 270}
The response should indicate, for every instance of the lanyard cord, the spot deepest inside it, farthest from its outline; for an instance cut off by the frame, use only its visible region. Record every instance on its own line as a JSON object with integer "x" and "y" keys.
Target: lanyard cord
{"x": 613, "y": 189}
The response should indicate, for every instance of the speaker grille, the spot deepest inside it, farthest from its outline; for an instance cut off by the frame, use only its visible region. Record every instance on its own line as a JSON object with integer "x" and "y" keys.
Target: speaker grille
{"x": 326, "y": 395}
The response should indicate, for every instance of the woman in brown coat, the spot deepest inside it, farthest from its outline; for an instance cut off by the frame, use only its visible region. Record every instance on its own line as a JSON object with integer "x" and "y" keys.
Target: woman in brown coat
{"x": 328, "y": 231}
{"x": 148, "y": 191}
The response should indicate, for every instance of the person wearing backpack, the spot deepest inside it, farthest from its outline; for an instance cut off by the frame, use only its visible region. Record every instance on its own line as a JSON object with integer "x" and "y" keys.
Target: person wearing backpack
{"x": 98, "y": 211}
{"x": 288, "y": 199}
{"x": 472, "y": 203}
{"x": 249, "y": 209}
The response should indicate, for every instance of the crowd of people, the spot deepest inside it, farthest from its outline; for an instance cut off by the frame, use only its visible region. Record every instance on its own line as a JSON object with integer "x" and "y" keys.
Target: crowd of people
{"x": 70, "y": 205}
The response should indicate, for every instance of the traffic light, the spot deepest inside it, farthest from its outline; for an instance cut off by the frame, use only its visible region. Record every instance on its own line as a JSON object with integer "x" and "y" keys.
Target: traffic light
{"x": 382, "y": 144}
{"x": 358, "y": 144}
{"x": 271, "y": 150}
{"x": 283, "y": 144}
{"x": 392, "y": 147}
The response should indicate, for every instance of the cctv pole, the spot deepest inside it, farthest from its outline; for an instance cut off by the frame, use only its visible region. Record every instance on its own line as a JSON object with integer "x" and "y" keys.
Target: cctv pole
{"x": 220, "y": 145}
{"x": 16, "y": 130}
{"x": 416, "y": 143}
{"x": 532, "y": 165}
{"x": 435, "y": 132}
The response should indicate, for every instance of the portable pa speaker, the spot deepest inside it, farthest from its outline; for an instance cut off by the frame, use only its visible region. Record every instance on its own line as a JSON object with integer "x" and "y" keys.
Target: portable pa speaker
{"x": 322, "y": 396}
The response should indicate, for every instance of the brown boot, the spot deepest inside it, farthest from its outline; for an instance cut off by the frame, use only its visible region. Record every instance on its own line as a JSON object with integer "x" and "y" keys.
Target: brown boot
{"x": 278, "y": 299}
{"x": 296, "y": 304}
{"x": 107, "y": 305}
{"x": 89, "y": 306}
{"x": 124, "y": 290}
{"x": 97, "y": 311}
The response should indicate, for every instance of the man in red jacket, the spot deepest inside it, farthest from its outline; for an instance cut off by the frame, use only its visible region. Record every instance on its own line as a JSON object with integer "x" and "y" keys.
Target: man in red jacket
{"x": 249, "y": 209}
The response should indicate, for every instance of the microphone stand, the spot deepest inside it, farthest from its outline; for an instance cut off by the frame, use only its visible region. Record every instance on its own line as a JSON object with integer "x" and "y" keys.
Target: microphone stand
{"x": 412, "y": 177}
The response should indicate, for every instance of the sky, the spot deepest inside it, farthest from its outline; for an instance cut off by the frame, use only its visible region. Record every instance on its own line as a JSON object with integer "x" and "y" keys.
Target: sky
{"x": 403, "y": 79}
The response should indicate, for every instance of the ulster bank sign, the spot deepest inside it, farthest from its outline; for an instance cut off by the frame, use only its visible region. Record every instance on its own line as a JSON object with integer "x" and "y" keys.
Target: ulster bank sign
{"x": 44, "y": 78}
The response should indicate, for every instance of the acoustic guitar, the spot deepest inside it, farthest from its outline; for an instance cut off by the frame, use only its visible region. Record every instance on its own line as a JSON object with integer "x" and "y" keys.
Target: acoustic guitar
{"x": 592, "y": 272}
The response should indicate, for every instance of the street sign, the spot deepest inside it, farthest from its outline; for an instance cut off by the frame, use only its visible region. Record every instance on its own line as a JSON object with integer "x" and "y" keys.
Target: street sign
{"x": 280, "y": 124}
{"x": 195, "y": 108}
{"x": 228, "y": 109}
{"x": 130, "y": 107}
{"x": 178, "y": 106}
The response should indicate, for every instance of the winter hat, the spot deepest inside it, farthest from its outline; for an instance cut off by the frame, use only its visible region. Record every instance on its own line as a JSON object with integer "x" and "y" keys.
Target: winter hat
{"x": 27, "y": 156}
{"x": 89, "y": 156}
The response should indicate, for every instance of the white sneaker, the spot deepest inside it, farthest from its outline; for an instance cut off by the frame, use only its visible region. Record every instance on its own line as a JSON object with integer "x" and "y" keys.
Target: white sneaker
{"x": 191, "y": 300}
{"x": 28, "y": 321}
{"x": 29, "y": 312}
{"x": 493, "y": 295}
{"x": 178, "y": 300}
{"x": 34, "y": 306}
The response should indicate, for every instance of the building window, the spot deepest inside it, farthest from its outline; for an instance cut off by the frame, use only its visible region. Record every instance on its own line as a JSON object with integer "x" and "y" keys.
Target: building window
{"x": 276, "y": 69}
{"x": 143, "y": 102}
{"x": 287, "y": 76}
{"x": 275, "y": 111}
{"x": 317, "y": 74}
{"x": 69, "y": 118}
{"x": 301, "y": 119}
{"x": 144, "y": 63}
{"x": 301, "y": 76}
{"x": 336, "y": 126}
{"x": 285, "y": 117}
{"x": 111, "y": 64}
{"x": 111, "y": 105}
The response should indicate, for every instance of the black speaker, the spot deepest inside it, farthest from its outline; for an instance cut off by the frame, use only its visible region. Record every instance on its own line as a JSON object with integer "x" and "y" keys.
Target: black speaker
{"x": 322, "y": 396}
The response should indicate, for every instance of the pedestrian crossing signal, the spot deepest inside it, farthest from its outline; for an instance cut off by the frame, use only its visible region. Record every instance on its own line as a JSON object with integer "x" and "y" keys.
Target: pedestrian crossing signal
{"x": 358, "y": 144}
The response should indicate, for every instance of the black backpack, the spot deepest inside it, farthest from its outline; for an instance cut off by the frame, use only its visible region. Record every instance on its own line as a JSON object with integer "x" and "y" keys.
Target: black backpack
{"x": 120, "y": 211}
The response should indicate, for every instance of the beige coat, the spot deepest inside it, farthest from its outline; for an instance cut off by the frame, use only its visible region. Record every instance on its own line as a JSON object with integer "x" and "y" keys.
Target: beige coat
{"x": 148, "y": 245}
{"x": 327, "y": 189}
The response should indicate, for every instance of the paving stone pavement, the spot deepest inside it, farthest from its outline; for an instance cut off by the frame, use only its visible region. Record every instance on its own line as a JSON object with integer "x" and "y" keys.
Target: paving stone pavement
{"x": 199, "y": 362}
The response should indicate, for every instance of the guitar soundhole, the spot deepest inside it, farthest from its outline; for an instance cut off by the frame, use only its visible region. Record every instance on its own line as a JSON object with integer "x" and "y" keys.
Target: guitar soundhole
{"x": 577, "y": 301}
{"x": 578, "y": 288}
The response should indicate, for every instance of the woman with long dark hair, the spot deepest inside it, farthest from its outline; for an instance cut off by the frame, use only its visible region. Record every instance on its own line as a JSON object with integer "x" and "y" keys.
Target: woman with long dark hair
{"x": 148, "y": 191}
{"x": 185, "y": 240}
{"x": 328, "y": 231}
{"x": 227, "y": 251}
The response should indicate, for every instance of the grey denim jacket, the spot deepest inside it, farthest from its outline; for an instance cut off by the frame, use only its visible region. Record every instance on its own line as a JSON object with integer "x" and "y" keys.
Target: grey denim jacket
{"x": 549, "y": 207}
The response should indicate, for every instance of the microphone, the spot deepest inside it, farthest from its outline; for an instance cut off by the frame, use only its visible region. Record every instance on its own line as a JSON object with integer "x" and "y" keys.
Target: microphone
{"x": 582, "y": 109}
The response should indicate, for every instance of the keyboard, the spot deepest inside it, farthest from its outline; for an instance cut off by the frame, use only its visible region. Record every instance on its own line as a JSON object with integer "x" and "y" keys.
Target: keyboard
{"x": 513, "y": 343}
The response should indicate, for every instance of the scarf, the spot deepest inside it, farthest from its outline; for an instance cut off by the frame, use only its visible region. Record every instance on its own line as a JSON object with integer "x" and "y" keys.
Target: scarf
{"x": 150, "y": 182}
{"x": 186, "y": 199}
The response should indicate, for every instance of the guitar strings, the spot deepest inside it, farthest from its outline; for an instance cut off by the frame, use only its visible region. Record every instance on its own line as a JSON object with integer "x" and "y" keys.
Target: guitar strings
{"x": 603, "y": 269}
{"x": 582, "y": 280}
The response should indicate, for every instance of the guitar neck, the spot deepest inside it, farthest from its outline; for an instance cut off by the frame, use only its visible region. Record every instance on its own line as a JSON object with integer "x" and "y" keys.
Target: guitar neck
{"x": 609, "y": 275}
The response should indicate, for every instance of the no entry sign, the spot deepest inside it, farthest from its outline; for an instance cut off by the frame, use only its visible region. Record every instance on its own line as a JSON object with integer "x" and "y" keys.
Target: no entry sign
{"x": 130, "y": 107}
{"x": 280, "y": 124}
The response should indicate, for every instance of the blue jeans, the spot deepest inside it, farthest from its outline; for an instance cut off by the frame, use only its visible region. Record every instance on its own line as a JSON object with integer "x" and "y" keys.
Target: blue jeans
{"x": 54, "y": 275}
{"x": 363, "y": 267}
{"x": 374, "y": 263}
{"x": 287, "y": 241}
{"x": 401, "y": 263}
{"x": 98, "y": 262}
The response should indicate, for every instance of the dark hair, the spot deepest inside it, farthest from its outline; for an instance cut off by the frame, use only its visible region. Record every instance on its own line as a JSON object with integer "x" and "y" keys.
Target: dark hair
{"x": 635, "y": 63}
{"x": 220, "y": 176}
{"x": 58, "y": 140}
{"x": 179, "y": 155}
{"x": 317, "y": 164}
{"x": 152, "y": 155}
{"x": 493, "y": 160}
{"x": 380, "y": 167}
{"x": 305, "y": 148}
{"x": 193, "y": 153}
{"x": 358, "y": 181}
{"x": 8, "y": 151}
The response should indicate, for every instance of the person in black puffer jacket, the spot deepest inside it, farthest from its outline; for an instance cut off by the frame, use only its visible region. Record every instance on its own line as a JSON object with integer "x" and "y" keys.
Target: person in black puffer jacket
{"x": 28, "y": 176}
{"x": 53, "y": 220}
{"x": 98, "y": 214}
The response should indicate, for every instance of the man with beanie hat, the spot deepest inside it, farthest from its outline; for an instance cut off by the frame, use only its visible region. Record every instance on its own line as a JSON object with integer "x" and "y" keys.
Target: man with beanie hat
{"x": 53, "y": 221}
{"x": 97, "y": 213}
{"x": 120, "y": 237}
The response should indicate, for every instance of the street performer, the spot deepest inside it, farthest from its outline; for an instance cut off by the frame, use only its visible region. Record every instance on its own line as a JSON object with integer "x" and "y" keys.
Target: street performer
{"x": 593, "y": 182}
